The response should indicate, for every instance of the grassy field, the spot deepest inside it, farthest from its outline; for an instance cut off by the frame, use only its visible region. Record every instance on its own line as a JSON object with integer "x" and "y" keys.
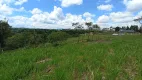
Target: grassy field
{"x": 106, "y": 57}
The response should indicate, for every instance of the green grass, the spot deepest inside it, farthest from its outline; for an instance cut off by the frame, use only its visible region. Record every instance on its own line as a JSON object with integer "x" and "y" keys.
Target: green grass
{"x": 105, "y": 57}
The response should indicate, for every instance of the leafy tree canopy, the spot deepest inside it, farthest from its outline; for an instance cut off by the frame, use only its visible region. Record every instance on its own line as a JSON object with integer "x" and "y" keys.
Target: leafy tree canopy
{"x": 5, "y": 30}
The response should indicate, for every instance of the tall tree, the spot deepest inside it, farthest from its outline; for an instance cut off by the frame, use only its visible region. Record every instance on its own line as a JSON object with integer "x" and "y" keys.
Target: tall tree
{"x": 5, "y": 30}
{"x": 77, "y": 25}
{"x": 141, "y": 29}
{"x": 96, "y": 27}
{"x": 127, "y": 28}
{"x": 117, "y": 29}
{"x": 134, "y": 27}
{"x": 111, "y": 28}
{"x": 89, "y": 25}
{"x": 124, "y": 28}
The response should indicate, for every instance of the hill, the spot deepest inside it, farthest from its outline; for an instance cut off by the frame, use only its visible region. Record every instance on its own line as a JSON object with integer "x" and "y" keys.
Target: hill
{"x": 105, "y": 58}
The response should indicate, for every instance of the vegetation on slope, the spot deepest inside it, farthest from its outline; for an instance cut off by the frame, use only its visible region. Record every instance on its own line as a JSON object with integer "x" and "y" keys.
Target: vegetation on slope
{"x": 105, "y": 58}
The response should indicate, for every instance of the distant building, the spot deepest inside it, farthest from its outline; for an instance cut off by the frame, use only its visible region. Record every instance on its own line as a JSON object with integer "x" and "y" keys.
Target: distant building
{"x": 106, "y": 29}
{"x": 126, "y": 31}
{"x": 97, "y": 29}
{"x": 122, "y": 32}
{"x": 112, "y": 29}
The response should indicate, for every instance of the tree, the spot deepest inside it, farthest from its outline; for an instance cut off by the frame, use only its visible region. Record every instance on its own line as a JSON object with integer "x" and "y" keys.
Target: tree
{"x": 127, "y": 28}
{"x": 111, "y": 28}
{"x": 77, "y": 26}
{"x": 124, "y": 28}
{"x": 56, "y": 37}
{"x": 17, "y": 41}
{"x": 95, "y": 26}
{"x": 134, "y": 27}
{"x": 89, "y": 24}
{"x": 140, "y": 29}
{"x": 117, "y": 29}
{"x": 5, "y": 30}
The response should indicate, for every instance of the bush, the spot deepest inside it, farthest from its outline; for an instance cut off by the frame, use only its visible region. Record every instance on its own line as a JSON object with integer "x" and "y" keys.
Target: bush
{"x": 23, "y": 39}
{"x": 16, "y": 41}
{"x": 36, "y": 39}
{"x": 56, "y": 37}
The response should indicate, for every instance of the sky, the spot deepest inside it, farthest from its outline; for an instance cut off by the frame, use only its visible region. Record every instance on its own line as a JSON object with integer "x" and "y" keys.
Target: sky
{"x": 60, "y": 14}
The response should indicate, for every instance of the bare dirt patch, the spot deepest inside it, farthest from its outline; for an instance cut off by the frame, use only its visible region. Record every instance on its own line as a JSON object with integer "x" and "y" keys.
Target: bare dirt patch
{"x": 43, "y": 60}
{"x": 111, "y": 51}
{"x": 83, "y": 76}
{"x": 131, "y": 67}
{"x": 103, "y": 41}
{"x": 49, "y": 69}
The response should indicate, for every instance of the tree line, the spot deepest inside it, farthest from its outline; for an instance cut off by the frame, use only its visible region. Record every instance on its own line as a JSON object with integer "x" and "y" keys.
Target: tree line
{"x": 90, "y": 26}
{"x": 132, "y": 27}
{"x": 14, "y": 38}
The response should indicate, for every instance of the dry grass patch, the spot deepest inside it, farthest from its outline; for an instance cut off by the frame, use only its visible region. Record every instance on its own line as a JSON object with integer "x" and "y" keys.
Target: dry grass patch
{"x": 43, "y": 60}
{"x": 129, "y": 69}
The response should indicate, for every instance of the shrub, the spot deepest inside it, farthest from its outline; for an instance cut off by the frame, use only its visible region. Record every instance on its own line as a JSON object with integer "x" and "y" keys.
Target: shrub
{"x": 56, "y": 37}
{"x": 23, "y": 39}
{"x": 16, "y": 41}
{"x": 35, "y": 39}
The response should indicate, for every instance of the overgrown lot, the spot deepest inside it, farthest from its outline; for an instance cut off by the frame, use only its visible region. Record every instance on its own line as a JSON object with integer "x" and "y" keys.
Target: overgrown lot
{"x": 105, "y": 57}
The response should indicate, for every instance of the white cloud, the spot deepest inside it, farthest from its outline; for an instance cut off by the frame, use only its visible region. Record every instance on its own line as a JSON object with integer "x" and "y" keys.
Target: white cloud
{"x": 88, "y": 17}
{"x": 121, "y": 17}
{"x": 67, "y": 3}
{"x": 53, "y": 20}
{"x": 43, "y": 19}
{"x": 57, "y": 19}
{"x": 57, "y": 14}
{"x": 87, "y": 14}
{"x": 20, "y": 21}
{"x": 118, "y": 19}
{"x": 5, "y": 10}
{"x": 103, "y": 19}
{"x": 22, "y": 9}
{"x": 46, "y": 17}
{"x": 69, "y": 19}
{"x": 140, "y": 14}
{"x": 2, "y": 17}
{"x": 133, "y": 5}
{"x": 6, "y": 1}
{"x": 40, "y": 19}
{"x": 36, "y": 11}
{"x": 105, "y": 7}
{"x": 20, "y": 2}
